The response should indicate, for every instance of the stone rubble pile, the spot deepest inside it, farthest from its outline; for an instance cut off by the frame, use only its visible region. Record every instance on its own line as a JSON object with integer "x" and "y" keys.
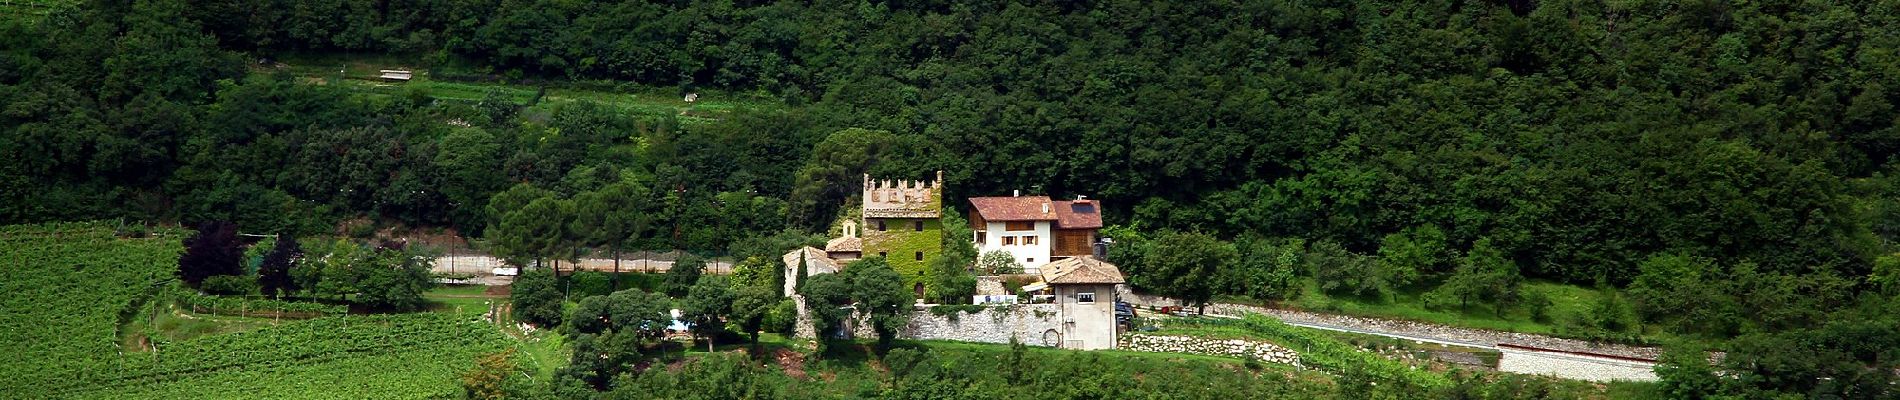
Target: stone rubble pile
{"x": 1266, "y": 352}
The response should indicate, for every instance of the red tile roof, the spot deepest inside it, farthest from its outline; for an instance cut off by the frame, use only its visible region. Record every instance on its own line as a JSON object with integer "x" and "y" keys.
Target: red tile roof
{"x": 1078, "y": 214}
{"x": 1018, "y": 208}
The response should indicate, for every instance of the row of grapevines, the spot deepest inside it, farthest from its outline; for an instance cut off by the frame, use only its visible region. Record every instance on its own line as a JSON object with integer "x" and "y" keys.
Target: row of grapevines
{"x": 440, "y": 343}
{"x": 65, "y": 289}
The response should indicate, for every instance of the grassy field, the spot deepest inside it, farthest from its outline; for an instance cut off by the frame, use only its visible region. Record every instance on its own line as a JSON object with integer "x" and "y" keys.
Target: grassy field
{"x": 1568, "y": 303}
{"x": 361, "y": 72}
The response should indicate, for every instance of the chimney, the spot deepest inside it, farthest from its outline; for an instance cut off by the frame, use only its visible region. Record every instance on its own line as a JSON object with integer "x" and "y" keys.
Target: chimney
{"x": 1045, "y": 208}
{"x": 1015, "y": 193}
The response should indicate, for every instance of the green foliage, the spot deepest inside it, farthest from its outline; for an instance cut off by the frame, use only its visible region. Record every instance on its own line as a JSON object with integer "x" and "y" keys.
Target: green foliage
{"x": 433, "y": 349}
{"x": 69, "y": 286}
{"x": 879, "y": 293}
{"x": 683, "y": 275}
{"x": 708, "y": 302}
{"x": 755, "y": 293}
{"x": 1486, "y": 275}
{"x": 1416, "y": 252}
{"x": 825, "y": 297}
{"x": 1886, "y": 275}
{"x": 1376, "y": 376}
{"x": 394, "y": 279}
{"x": 612, "y": 331}
{"x": 951, "y": 276}
{"x": 999, "y": 262}
{"x": 536, "y": 298}
{"x": 1343, "y": 272}
{"x": 82, "y": 282}
{"x": 901, "y": 244}
{"x": 239, "y": 305}
{"x": 1268, "y": 270}
{"x": 835, "y": 171}
{"x": 1850, "y": 356}
{"x": 1179, "y": 264}
{"x": 229, "y": 285}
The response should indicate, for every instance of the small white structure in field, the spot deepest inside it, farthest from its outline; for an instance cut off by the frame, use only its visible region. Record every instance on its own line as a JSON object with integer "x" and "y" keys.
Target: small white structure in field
{"x": 692, "y": 97}
{"x": 397, "y": 74}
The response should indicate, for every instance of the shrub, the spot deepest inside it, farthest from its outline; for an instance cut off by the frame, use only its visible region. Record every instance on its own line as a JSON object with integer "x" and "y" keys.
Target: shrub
{"x": 229, "y": 285}
{"x": 782, "y": 318}
{"x": 1539, "y": 303}
{"x": 536, "y": 298}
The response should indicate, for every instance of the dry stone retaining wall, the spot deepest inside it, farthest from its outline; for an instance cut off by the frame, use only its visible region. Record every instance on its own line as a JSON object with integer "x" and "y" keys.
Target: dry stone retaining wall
{"x": 1262, "y": 351}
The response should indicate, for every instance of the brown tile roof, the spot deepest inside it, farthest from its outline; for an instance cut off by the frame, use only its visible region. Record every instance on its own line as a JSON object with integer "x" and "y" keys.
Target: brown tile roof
{"x": 1016, "y": 208}
{"x": 1078, "y": 214}
{"x": 817, "y": 262}
{"x": 847, "y": 243}
{"x": 1084, "y": 269}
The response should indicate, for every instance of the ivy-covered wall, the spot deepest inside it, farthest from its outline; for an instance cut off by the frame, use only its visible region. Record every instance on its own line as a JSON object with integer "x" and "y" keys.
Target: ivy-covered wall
{"x": 901, "y": 242}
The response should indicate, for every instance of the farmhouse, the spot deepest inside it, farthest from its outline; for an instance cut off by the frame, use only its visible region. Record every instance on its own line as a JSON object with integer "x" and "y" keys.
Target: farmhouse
{"x": 1035, "y": 229}
{"x": 1084, "y": 292}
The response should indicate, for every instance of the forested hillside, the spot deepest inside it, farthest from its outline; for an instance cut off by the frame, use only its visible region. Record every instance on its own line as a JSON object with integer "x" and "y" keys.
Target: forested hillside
{"x": 1731, "y": 164}
{"x": 1574, "y": 139}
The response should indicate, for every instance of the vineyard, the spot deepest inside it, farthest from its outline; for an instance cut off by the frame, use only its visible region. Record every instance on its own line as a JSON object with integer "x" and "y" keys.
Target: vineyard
{"x": 69, "y": 287}
{"x": 66, "y": 288}
{"x": 384, "y": 356}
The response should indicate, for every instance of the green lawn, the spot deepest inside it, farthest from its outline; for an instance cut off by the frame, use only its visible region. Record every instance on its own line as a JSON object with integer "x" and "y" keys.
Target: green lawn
{"x": 1568, "y": 304}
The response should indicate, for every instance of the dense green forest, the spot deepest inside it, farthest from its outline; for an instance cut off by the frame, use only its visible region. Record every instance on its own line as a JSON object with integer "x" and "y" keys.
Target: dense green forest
{"x": 1731, "y": 164}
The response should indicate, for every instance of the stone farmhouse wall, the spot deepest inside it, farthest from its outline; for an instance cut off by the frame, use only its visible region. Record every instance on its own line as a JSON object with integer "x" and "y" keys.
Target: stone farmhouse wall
{"x": 1263, "y": 351}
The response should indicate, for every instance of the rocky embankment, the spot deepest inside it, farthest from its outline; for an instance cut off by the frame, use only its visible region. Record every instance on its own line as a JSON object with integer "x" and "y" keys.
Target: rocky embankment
{"x": 1263, "y": 351}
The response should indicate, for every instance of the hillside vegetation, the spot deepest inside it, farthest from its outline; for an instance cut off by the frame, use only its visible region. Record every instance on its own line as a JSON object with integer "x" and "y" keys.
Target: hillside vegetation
{"x": 68, "y": 288}
{"x": 72, "y": 286}
{"x": 1721, "y": 171}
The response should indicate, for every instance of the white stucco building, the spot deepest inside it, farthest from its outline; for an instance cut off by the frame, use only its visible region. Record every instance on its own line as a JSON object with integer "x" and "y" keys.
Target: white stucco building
{"x": 1084, "y": 289}
{"x": 1035, "y": 229}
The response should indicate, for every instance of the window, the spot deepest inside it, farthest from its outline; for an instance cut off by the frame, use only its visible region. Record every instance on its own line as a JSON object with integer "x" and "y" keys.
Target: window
{"x": 1009, "y": 240}
{"x": 1085, "y": 297}
{"x": 880, "y": 225}
{"x": 1020, "y": 225}
{"x": 1029, "y": 260}
{"x": 979, "y": 237}
{"x": 920, "y": 256}
{"x": 1029, "y": 240}
{"x": 917, "y": 226}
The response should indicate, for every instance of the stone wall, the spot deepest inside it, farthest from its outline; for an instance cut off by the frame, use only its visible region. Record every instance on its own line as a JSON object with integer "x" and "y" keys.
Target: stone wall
{"x": 990, "y": 285}
{"x": 1026, "y": 323}
{"x": 1263, "y": 351}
